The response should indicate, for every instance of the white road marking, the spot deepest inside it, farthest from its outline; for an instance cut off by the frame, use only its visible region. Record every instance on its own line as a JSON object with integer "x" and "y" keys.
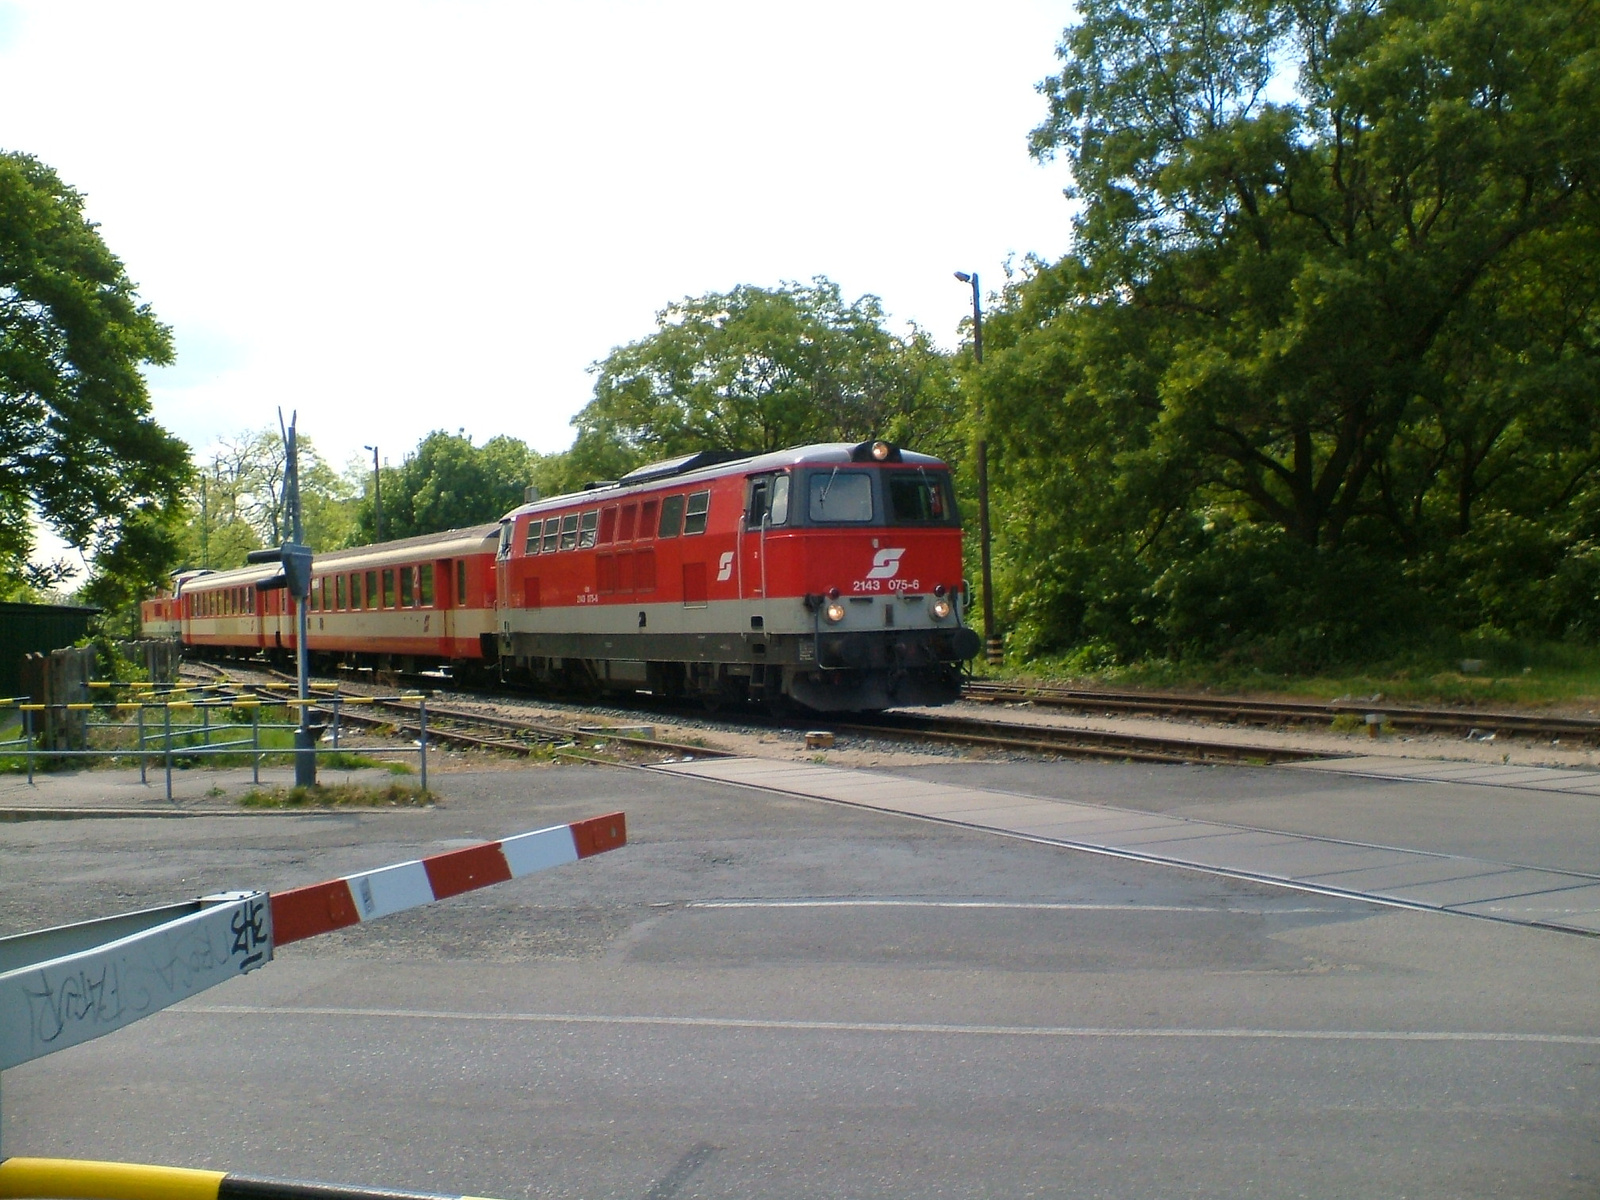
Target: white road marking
{"x": 1028, "y": 905}
{"x": 1037, "y": 1031}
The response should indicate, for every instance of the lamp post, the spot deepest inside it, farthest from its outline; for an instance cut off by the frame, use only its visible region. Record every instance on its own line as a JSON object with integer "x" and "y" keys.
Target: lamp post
{"x": 377, "y": 497}
{"x": 994, "y": 648}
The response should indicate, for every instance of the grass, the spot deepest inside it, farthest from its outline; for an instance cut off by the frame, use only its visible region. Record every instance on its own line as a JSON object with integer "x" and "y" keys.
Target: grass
{"x": 1506, "y": 674}
{"x": 339, "y": 795}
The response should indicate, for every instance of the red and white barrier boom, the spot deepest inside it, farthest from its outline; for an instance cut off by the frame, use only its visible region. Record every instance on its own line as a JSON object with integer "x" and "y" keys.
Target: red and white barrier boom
{"x": 64, "y": 986}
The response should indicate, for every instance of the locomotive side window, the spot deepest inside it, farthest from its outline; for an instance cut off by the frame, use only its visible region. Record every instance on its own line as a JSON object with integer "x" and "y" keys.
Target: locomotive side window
{"x": 671, "y": 517}
{"x": 608, "y": 525}
{"x": 630, "y": 522}
{"x": 695, "y": 515}
{"x": 647, "y": 518}
{"x": 587, "y": 525}
{"x": 406, "y": 592}
{"x": 769, "y": 501}
{"x": 425, "y": 585}
{"x": 919, "y": 497}
{"x": 778, "y": 511}
{"x": 552, "y": 527}
{"x": 569, "y": 531}
{"x": 535, "y": 529}
{"x": 838, "y": 496}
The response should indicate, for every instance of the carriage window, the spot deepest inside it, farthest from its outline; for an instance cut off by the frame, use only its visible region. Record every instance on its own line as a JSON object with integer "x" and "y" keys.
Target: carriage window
{"x": 425, "y": 585}
{"x": 608, "y": 525}
{"x": 569, "y": 531}
{"x": 372, "y": 589}
{"x": 461, "y": 584}
{"x": 671, "y": 517}
{"x": 338, "y": 589}
{"x": 316, "y": 595}
{"x": 918, "y": 497}
{"x": 405, "y": 587}
{"x": 841, "y": 496}
{"x": 630, "y": 521}
{"x": 695, "y": 517}
{"x": 535, "y": 528}
{"x": 388, "y": 588}
{"x": 587, "y": 527}
{"x": 552, "y": 528}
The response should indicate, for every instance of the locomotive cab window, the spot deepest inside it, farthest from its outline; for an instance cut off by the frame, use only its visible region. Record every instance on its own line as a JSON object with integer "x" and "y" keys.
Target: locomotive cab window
{"x": 919, "y": 498}
{"x": 695, "y": 515}
{"x": 769, "y": 501}
{"x": 505, "y": 540}
{"x": 840, "y": 496}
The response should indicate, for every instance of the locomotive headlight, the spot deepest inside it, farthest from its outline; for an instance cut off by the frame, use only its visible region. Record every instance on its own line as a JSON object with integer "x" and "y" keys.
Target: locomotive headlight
{"x": 834, "y": 611}
{"x": 940, "y": 607}
{"x": 880, "y": 450}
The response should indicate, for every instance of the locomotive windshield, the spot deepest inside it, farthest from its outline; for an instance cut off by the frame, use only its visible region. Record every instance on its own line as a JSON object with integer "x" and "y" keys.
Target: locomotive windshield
{"x": 839, "y": 496}
{"x": 890, "y": 496}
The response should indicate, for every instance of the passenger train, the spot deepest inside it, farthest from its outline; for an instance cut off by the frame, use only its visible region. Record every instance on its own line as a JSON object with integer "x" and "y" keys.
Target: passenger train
{"x": 827, "y": 576}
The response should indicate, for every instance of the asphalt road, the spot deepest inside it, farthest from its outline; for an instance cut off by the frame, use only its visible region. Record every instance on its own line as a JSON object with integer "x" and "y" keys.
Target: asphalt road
{"x": 765, "y": 997}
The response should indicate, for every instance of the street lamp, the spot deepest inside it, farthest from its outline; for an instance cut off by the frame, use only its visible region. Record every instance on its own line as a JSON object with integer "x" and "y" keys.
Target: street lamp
{"x": 994, "y": 649}
{"x": 377, "y": 497}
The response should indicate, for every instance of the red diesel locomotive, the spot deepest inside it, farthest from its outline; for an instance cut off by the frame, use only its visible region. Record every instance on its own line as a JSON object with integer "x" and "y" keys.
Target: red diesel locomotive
{"x": 828, "y": 575}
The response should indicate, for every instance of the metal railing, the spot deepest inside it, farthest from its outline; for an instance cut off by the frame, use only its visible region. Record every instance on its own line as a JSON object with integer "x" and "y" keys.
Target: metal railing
{"x": 184, "y": 729}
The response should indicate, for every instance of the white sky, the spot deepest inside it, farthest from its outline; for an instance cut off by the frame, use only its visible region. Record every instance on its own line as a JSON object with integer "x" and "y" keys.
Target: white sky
{"x": 403, "y": 217}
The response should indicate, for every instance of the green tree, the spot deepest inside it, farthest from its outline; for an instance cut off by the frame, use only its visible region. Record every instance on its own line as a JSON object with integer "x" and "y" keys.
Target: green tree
{"x": 78, "y": 446}
{"x": 1331, "y": 302}
{"x": 237, "y": 505}
{"x": 447, "y": 483}
{"x": 760, "y": 369}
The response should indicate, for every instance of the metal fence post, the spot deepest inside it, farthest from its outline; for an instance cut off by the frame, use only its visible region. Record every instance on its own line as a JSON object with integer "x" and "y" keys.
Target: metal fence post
{"x": 142, "y": 778}
{"x": 422, "y": 739}
{"x": 255, "y": 745}
{"x": 338, "y": 707}
{"x": 166, "y": 716}
{"x": 27, "y": 718}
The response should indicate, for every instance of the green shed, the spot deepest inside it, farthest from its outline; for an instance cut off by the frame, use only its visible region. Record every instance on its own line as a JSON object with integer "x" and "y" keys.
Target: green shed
{"x": 29, "y": 628}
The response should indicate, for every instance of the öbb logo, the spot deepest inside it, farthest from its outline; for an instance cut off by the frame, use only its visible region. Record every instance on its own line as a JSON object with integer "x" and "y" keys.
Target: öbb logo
{"x": 886, "y": 563}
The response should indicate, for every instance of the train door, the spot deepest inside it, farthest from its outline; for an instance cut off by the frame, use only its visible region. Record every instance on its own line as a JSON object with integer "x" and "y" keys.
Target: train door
{"x": 502, "y": 578}
{"x": 444, "y": 601}
{"x": 766, "y": 503}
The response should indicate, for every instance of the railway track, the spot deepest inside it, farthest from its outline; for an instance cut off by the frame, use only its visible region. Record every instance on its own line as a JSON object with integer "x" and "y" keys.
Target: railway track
{"x": 1068, "y": 743}
{"x": 1289, "y": 712}
{"x": 517, "y": 735}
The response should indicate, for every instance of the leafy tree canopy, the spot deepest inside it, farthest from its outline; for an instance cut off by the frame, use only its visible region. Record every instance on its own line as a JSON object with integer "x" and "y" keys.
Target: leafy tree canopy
{"x": 759, "y": 369}
{"x": 447, "y": 483}
{"x": 77, "y": 442}
{"x": 1329, "y": 320}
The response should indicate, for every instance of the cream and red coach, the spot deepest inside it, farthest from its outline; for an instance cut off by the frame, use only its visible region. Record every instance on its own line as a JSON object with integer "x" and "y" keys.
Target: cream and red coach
{"x": 415, "y": 602}
{"x": 828, "y": 575}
